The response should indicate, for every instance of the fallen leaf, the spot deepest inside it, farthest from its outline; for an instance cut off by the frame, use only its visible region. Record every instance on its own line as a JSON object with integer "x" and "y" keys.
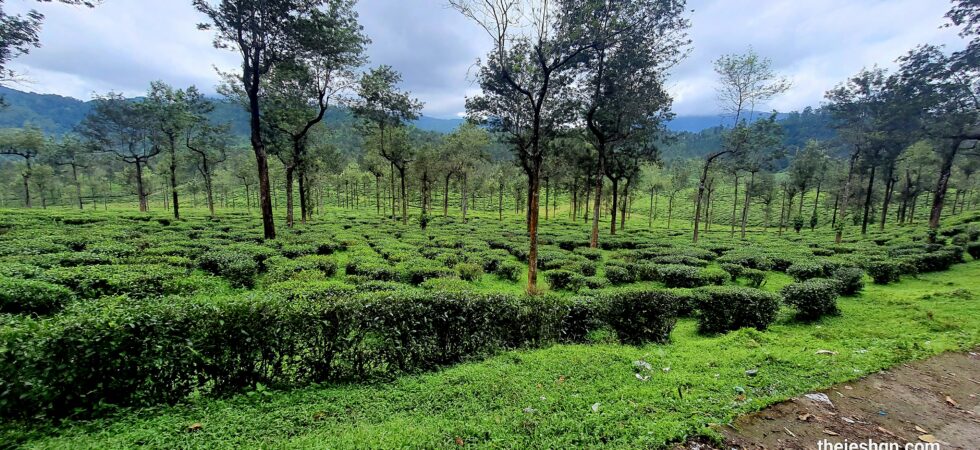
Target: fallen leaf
{"x": 829, "y": 432}
{"x": 848, "y": 420}
{"x": 826, "y": 352}
{"x": 921, "y": 430}
{"x": 883, "y": 430}
{"x": 951, "y": 401}
{"x": 595, "y": 407}
{"x": 561, "y": 379}
{"x": 848, "y": 388}
{"x": 195, "y": 427}
{"x": 642, "y": 377}
{"x": 459, "y": 441}
{"x": 804, "y": 417}
{"x": 666, "y": 369}
{"x": 530, "y": 410}
{"x": 927, "y": 438}
{"x": 789, "y": 432}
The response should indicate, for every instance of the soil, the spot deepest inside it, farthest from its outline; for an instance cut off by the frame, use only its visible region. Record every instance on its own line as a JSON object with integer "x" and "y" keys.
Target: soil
{"x": 933, "y": 400}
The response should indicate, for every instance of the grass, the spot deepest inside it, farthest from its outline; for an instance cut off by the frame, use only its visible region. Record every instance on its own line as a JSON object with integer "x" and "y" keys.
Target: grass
{"x": 569, "y": 395}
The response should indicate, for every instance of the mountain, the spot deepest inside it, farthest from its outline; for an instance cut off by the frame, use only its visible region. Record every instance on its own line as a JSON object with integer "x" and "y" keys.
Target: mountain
{"x": 55, "y": 114}
{"x": 695, "y": 124}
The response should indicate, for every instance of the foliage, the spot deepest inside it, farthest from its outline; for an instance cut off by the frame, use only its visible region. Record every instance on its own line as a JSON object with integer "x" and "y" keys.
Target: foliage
{"x": 726, "y": 308}
{"x": 813, "y": 298}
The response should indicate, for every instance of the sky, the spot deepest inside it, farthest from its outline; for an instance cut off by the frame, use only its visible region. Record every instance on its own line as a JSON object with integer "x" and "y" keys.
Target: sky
{"x": 123, "y": 45}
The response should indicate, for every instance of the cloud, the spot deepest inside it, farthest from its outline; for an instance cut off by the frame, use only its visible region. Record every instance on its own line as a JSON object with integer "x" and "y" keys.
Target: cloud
{"x": 124, "y": 44}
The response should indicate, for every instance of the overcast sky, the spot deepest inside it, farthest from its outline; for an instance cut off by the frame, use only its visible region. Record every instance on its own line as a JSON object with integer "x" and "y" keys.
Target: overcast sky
{"x": 124, "y": 44}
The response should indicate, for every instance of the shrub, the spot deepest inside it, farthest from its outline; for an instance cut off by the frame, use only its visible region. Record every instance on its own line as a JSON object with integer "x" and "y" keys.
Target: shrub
{"x": 734, "y": 270}
{"x": 137, "y": 281}
{"x": 418, "y": 270}
{"x": 119, "y": 352}
{"x": 754, "y": 277}
{"x": 640, "y": 315}
{"x": 19, "y": 270}
{"x": 510, "y": 270}
{"x": 309, "y": 291}
{"x": 238, "y": 268}
{"x": 592, "y": 254}
{"x": 619, "y": 275}
{"x": 446, "y": 284}
{"x": 32, "y": 296}
{"x": 725, "y": 308}
{"x": 562, "y": 280}
{"x": 715, "y": 276}
{"x": 813, "y": 298}
{"x": 469, "y": 272}
{"x": 851, "y": 280}
{"x": 883, "y": 272}
{"x": 595, "y": 282}
{"x": 680, "y": 276}
{"x": 801, "y": 271}
{"x": 973, "y": 249}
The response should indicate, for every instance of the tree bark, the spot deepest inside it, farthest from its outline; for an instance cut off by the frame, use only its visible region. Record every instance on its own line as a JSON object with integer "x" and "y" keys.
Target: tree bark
{"x": 942, "y": 184}
{"x": 173, "y": 178}
{"x": 746, "y": 203}
{"x": 867, "y": 201}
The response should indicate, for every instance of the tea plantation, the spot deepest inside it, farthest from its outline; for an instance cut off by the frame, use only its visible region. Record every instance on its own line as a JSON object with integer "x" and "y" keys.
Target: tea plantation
{"x": 355, "y": 331}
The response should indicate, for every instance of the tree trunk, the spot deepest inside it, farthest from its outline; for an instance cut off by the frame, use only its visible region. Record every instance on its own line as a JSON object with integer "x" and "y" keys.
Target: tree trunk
{"x": 78, "y": 186}
{"x": 173, "y": 178}
{"x": 889, "y": 185}
{"x": 463, "y": 203}
{"x": 302, "y": 195}
{"x": 942, "y": 184}
{"x": 670, "y": 209}
{"x": 500, "y": 206}
{"x": 139, "y": 187}
{"x": 401, "y": 173}
{"x": 699, "y": 199}
{"x": 734, "y": 206}
{"x": 746, "y": 203}
{"x": 613, "y": 205}
{"x": 594, "y": 237}
{"x": 816, "y": 201}
{"x": 867, "y": 201}
{"x": 289, "y": 196}
{"x": 208, "y": 186}
{"x": 532, "y": 255}
{"x": 445, "y": 196}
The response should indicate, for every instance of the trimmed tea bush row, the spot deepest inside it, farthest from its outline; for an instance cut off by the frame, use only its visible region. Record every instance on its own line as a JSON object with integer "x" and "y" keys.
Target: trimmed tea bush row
{"x": 119, "y": 352}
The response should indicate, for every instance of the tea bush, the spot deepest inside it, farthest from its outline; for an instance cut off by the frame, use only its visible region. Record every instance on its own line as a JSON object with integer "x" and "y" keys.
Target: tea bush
{"x": 725, "y": 308}
{"x": 32, "y": 296}
{"x": 813, "y": 298}
{"x": 851, "y": 280}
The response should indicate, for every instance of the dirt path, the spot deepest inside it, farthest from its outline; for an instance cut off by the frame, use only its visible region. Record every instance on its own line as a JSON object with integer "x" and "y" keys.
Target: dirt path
{"x": 934, "y": 400}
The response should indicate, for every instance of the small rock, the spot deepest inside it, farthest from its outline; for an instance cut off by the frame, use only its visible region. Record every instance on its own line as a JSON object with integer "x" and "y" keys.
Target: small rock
{"x": 830, "y": 433}
{"x": 826, "y": 352}
{"x": 530, "y": 410}
{"x": 752, "y": 372}
{"x": 642, "y": 377}
{"x": 820, "y": 397}
{"x": 927, "y": 438}
{"x": 595, "y": 407}
{"x": 195, "y": 427}
{"x": 641, "y": 364}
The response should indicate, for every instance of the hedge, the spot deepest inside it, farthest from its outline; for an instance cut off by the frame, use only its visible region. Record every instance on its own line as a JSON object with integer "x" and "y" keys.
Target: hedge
{"x": 158, "y": 351}
{"x": 726, "y": 308}
{"x": 32, "y": 296}
{"x": 812, "y": 298}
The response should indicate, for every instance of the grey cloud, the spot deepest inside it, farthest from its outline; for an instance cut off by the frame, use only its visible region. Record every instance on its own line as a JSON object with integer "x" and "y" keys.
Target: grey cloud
{"x": 124, "y": 44}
